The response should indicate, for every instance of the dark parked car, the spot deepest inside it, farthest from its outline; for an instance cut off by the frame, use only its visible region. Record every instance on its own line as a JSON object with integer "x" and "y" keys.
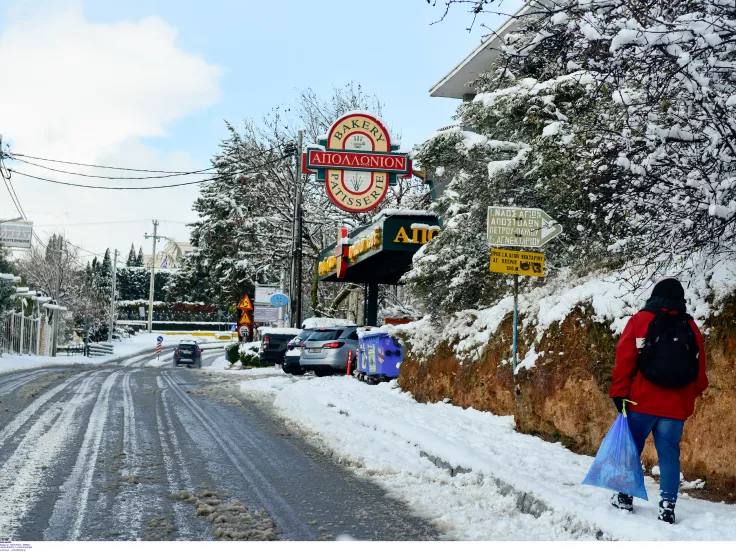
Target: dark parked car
{"x": 273, "y": 344}
{"x": 327, "y": 350}
{"x": 293, "y": 353}
{"x": 189, "y": 353}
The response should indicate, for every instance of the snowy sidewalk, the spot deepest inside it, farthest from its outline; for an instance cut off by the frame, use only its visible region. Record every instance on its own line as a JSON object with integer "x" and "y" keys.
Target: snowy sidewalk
{"x": 469, "y": 471}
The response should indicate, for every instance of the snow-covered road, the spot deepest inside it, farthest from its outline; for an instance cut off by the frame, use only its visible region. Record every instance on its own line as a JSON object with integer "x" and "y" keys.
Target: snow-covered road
{"x": 129, "y": 450}
{"x": 470, "y": 471}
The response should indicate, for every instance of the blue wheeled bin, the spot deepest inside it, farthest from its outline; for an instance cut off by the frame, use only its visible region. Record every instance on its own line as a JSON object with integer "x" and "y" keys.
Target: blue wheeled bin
{"x": 379, "y": 357}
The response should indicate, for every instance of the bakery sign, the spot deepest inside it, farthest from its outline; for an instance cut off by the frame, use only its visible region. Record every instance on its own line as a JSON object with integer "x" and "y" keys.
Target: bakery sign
{"x": 357, "y": 162}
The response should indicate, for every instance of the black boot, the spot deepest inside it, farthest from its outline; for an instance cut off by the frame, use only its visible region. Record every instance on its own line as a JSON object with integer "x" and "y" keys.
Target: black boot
{"x": 623, "y": 502}
{"x": 666, "y": 511}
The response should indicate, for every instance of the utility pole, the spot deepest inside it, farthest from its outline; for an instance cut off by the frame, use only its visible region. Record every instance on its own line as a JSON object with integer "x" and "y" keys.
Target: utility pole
{"x": 112, "y": 297}
{"x": 155, "y": 237}
{"x": 57, "y": 312}
{"x": 297, "y": 319}
{"x": 282, "y": 310}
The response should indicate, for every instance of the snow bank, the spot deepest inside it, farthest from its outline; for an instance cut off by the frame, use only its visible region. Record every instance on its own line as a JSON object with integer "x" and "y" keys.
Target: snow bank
{"x": 469, "y": 471}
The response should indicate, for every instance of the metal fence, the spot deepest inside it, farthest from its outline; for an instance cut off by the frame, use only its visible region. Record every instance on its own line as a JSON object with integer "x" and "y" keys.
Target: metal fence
{"x": 21, "y": 335}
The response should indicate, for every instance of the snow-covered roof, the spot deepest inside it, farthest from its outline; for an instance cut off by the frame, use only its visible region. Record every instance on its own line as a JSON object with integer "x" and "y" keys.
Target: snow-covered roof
{"x": 316, "y": 322}
{"x": 51, "y": 306}
{"x": 278, "y": 331}
{"x": 455, "y": 83}
{"x": 12, "y": 277}
{"x": 403, "y": 213}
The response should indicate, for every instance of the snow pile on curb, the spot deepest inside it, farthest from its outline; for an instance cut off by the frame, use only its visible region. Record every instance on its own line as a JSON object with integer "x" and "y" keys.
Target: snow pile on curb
{"x": 469, "y": 471}
{"x": 612, "y": 303}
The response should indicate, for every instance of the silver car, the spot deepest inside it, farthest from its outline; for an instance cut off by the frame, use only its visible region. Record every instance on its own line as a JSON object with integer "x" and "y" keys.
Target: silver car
{"x": 327, "y": 350}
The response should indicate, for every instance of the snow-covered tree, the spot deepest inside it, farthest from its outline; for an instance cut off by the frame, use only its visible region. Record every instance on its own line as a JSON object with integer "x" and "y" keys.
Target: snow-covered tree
{"x": 616, "y": 117}
{"x": 246, "y": 216}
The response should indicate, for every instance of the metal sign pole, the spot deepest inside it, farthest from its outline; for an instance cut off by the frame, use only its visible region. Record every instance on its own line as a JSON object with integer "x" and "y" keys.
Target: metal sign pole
{"x": 516, "y": 319}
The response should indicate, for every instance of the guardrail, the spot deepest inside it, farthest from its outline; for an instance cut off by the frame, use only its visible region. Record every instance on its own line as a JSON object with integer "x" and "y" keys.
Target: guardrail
{"x": 73, "y": 349}
{"x": 99, "y": 349}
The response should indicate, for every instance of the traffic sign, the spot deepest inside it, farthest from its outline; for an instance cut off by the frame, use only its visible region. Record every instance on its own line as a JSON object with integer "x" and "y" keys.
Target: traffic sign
{"x": 246, "y": 318}
{"x": 243, "y": 331}
{"x": 160, "y": 338}
{"x": 233, "y": 327}
{"x": 245, "y": 304}
{"x": 279, "y": 300}
{"x": 523, "y": 263}
{"x": 520, "y": 227}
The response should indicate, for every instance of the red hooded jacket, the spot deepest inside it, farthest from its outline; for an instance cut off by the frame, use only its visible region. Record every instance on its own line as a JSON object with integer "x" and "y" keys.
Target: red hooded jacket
{"x": 652, "y": 399}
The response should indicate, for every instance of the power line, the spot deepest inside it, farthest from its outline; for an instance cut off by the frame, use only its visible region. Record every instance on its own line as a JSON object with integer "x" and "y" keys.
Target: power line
{"x": 145, "y": 187}
{"x": 173, "y": 173}
{"x": 11, "y": 190}
{"x": 168, "y": 175}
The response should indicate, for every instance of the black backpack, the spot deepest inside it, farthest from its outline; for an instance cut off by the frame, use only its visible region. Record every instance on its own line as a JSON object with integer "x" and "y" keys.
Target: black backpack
{"x": 669, "y": 357}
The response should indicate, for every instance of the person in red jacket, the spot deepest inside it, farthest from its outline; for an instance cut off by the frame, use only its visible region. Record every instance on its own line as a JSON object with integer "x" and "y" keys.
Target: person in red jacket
{"x": 656, "y": 410}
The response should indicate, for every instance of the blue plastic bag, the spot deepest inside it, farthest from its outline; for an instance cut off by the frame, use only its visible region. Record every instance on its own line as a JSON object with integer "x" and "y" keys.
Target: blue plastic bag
{"x": 617, "y": 465}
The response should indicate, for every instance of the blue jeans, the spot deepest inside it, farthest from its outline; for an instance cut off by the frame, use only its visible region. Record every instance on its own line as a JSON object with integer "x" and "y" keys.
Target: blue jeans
{"x": 667, "y": 434}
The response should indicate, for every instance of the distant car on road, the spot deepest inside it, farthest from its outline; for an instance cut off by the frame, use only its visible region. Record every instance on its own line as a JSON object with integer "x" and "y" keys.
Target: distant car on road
{"x": 188, "y": 352}
{"x": 293, "y": 353}
{"x": 327, "y": 350}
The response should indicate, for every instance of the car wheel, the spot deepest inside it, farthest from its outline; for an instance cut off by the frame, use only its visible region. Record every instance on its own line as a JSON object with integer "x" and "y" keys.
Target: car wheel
{"x": 299, "y": 371}
{"x": 286, "y": 369}
{"x": 322, "y": 372}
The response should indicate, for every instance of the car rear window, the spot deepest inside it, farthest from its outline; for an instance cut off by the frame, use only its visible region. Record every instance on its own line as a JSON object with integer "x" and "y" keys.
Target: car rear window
{"x": 353, "y": 335}
{"x": 304, "y": 334}
{"x": 324, "y": 335}
{"x": 187, "y": 347}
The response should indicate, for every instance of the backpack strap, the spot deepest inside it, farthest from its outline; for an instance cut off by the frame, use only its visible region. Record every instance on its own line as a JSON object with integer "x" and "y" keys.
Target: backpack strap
{"x": 656, "y": 311}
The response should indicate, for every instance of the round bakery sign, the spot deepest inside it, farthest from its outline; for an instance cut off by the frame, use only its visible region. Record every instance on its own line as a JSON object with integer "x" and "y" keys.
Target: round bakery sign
{"x": 357, "y": 162}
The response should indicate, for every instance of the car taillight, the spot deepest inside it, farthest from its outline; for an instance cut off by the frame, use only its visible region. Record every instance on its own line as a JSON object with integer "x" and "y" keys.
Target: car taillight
{"x": 266, "y": 341}
{"x": 304, "y": 345}
{"x": 176, "y": 353}
{"x": 333, "y": 345}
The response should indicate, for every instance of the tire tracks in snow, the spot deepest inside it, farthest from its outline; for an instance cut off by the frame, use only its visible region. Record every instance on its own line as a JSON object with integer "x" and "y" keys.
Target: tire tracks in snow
{"x": 21, "y": 476}
{"x": 71, "y": 507}
{"x": 129, "y": 504}
{"x": 286, "y": 518}
{"x": 29, "y": 411}
{"x": 177, "y": 475}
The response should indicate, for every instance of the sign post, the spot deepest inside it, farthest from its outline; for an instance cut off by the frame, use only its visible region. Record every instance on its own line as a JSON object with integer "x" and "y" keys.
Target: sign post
{"x": 519, "y": 227}
{"x": 159, "y": 342}
{"x": 245, "y": 320}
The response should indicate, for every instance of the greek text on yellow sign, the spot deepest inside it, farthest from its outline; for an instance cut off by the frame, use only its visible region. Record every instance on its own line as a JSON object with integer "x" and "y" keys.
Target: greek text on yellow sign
{"x": 524, "y": 263}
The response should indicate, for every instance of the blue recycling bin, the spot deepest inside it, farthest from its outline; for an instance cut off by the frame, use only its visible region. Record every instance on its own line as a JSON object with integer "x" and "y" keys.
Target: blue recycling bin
{"x": 379, "y": 357}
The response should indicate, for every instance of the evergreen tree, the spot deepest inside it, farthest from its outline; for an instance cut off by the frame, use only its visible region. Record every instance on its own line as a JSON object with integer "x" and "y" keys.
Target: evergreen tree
{"x": 139, "y": 258}
{"x": 104, "y": 281}
{"x": 612, "y": 117}
{"x": 131, "y": 257}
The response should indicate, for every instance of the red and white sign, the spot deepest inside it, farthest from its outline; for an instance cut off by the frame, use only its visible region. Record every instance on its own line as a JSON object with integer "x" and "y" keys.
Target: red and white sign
{"x": 357, "y": 162}
{"x": 387, "y": 162}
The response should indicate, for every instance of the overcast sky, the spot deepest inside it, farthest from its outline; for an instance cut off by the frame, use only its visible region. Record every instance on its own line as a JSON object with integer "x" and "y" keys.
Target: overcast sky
{"x": 148, "y": 84}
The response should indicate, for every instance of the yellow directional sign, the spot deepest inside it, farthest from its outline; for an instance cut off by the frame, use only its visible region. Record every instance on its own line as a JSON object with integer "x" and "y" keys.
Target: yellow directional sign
{"x": 523, "y": 263}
